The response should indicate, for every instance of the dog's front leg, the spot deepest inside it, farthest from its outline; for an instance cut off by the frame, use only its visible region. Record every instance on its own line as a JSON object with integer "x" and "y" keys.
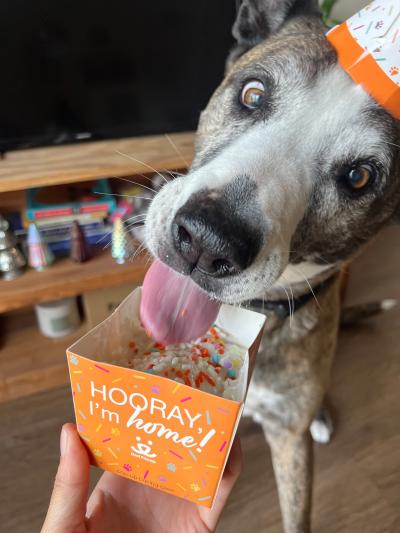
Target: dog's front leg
{"x": 288, "y": 387}
{"x": 293, "y": 466}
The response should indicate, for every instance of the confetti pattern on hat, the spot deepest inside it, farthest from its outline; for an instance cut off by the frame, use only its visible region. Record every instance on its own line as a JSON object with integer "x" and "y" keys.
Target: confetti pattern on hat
{"x": 368, "y": 47}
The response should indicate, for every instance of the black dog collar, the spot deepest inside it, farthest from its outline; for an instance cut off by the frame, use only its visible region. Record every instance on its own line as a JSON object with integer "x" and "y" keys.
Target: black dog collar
{"x": 282, "y": 308}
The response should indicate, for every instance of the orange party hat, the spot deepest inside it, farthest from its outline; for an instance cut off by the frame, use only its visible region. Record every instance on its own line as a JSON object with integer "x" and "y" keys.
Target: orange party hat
{"x": 368, "y": 47}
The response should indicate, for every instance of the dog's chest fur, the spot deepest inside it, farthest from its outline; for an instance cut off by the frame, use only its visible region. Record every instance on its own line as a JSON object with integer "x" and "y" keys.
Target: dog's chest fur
{"x": 294, "y": 363}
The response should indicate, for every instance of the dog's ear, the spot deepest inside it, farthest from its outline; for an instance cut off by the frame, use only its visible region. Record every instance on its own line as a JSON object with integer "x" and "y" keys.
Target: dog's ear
{"x": 258, "y": 19}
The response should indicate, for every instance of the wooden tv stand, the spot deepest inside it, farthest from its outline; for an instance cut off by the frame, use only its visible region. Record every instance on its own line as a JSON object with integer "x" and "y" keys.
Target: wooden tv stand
{"x": 29, "y": 362}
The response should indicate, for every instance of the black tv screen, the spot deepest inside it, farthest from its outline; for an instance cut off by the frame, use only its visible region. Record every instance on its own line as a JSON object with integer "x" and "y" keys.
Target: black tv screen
{"x": 101, "y": 69}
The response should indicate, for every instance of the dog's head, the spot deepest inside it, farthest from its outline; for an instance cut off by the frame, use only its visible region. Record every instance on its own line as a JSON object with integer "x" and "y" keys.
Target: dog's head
{"x": 294, "y": 162}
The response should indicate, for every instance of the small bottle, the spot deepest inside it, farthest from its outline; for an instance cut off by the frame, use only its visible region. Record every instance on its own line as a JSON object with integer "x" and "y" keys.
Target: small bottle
{"x": 39, "y": 254}
{"x": 122, "y": 242}
{"x": 80, "y": 249}
{"x": 12, "y": 261}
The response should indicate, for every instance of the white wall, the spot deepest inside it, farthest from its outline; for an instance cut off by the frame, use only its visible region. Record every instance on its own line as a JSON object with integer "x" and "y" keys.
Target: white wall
{"x": 345, "y": 8}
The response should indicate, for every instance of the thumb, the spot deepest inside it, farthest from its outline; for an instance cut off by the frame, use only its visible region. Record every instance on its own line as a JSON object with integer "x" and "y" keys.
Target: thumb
{"x": 66, "y": 513}
{"x": 232, "y": 471}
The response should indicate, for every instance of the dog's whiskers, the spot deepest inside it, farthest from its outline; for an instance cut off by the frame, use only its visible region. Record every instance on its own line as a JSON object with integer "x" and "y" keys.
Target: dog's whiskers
{"x": 170, "y": 172}
{"x": 139, "y": 250}
{"x": 291, "y": 310}
{"x": 136, "y": 216}
{"x": 149, "y": 258}
{"x": 109, "y": 243}
{"x": 133, "y": 221}
{"x": 142, "y": 163}
{"x": 320, "y": 258}
{"x": 174, "y": 173}
{"x": 108, "y": 234}
{"x": 177, "y": 150}
{"x": 308, "y": 283}
{"x": 132, "y": 182}
{"x": 290, "y": 303}
{"x": 123, "y": 195}
{"x": 137, "y": 224}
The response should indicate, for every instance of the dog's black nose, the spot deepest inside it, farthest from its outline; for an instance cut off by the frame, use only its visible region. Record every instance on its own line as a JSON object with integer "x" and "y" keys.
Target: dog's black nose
{"x": 214, "y": 241}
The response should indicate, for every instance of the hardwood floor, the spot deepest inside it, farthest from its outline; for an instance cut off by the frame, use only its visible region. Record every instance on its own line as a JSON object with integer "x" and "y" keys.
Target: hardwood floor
{"x": 357, "y": 476}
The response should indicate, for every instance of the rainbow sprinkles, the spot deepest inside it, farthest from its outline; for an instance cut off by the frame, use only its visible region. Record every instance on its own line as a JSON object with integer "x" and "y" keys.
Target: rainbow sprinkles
{"x": 213, "y": 363}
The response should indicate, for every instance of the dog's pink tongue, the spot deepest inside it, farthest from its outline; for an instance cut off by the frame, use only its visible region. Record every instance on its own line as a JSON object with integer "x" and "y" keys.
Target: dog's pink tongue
{"x": 173, "y": 308}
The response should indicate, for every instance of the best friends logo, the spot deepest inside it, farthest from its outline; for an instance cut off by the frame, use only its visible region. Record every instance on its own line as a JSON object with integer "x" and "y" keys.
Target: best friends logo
{"x": 143, "y": 451}
{"x": 143, "y": 412}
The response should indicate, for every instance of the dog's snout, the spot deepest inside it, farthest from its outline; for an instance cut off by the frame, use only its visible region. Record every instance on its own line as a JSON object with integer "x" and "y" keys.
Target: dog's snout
{"x": 212, "y": 241}
{"x": 202, "y": 248}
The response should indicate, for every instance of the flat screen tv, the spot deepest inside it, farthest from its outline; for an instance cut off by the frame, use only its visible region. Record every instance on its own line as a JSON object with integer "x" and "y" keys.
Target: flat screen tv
{"x": 99, "y": 69}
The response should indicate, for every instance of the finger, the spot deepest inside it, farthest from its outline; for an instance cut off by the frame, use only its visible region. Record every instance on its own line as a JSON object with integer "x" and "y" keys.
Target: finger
{"x": 232, "y": 471}
{"x": 66, "y": 513}
{"x": 234, "y": 464}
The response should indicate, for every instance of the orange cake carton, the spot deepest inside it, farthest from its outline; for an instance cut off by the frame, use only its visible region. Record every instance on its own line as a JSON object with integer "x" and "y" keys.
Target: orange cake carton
{"x": 149, "y": 428}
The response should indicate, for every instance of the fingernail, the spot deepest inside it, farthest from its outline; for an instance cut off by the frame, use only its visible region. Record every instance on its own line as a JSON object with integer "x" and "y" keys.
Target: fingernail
{"x": 64, "y": 442}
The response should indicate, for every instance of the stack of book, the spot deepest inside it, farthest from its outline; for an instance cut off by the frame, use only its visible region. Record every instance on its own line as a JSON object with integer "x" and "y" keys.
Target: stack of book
{"x": 58, "y": 233}
{"x": 90, "y": 206}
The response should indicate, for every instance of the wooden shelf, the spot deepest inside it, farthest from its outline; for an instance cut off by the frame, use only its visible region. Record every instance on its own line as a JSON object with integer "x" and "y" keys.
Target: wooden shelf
{"x": 30, "y": 362}
{"x": 22, "y": 169}
{"x": 66, "y": 278}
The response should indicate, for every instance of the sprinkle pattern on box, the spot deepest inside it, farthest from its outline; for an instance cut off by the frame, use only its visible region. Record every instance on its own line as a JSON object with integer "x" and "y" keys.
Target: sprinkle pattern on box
{"x": 176, "y": 441}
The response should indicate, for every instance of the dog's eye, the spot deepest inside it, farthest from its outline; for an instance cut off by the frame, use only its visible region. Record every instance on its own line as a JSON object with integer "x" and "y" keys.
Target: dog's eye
{"x": 360, "y": 176}
{"x": 252, "y": 95}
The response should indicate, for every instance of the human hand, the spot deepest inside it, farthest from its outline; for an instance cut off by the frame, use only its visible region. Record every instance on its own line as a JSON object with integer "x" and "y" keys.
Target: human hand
{"x": 119, "y": 505}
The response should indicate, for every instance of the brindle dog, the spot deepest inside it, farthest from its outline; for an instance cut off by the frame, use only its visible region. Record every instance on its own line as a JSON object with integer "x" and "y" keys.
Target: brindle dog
{"x": 296, "y": 168}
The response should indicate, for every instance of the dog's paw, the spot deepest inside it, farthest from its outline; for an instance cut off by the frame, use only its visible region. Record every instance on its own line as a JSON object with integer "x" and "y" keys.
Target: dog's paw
{"x": 321, "y": 430}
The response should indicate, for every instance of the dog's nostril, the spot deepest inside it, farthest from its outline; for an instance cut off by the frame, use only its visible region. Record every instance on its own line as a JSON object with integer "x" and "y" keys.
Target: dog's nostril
{"x": 184, "y": 236}
{"x": 210, "y": 241}
{"x": 223, "y": 267}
